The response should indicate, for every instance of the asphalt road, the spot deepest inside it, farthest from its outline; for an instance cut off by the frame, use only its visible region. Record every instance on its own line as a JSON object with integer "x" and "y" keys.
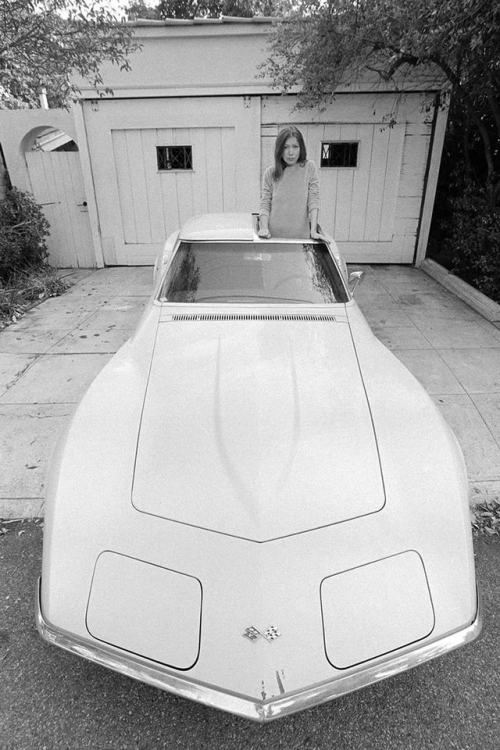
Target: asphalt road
{"x": 53, "y": 700}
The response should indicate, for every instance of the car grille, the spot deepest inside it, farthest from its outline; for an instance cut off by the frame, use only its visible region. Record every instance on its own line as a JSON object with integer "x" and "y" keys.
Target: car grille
{"x": 186, "y": 317}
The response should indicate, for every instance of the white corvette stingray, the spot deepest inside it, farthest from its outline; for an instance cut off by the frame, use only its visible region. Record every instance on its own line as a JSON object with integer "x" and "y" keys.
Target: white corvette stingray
{"x": 255, "y": 505}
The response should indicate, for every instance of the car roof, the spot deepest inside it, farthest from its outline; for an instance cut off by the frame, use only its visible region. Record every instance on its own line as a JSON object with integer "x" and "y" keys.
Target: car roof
{"x": 230, "y": 226}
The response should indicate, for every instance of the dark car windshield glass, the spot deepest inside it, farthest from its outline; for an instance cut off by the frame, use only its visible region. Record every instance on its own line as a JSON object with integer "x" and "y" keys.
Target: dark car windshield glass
{"x": 292, "y": 272}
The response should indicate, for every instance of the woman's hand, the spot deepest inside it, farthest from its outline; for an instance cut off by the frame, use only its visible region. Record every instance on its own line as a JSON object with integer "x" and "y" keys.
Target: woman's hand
{"x": 315, "y": 235}
{"x": 263, "y": 230}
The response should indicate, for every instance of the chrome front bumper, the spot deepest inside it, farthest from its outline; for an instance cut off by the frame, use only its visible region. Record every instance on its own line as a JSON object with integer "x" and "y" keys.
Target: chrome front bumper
{"x": 258, "y": 710}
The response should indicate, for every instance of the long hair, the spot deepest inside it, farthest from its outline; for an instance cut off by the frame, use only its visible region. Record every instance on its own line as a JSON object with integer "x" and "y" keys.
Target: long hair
{"x": 279, "y": 147}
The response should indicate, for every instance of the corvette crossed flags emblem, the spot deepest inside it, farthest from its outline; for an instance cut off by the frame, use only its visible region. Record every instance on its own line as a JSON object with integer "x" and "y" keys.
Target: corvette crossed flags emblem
{"x": 253, "y": 633}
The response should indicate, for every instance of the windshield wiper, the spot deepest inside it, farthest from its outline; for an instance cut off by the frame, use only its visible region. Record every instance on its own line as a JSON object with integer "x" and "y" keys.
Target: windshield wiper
{"x": 253, "y": 296}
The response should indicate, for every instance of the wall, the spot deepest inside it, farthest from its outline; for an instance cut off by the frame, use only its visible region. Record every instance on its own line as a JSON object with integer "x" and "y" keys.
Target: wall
{"x": 186, "y": 60}
{"x": 19, "y": 127}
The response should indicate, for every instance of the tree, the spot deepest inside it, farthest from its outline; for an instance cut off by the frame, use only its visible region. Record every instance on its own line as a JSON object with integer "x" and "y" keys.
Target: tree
{"x": 139, "y": 9}
{"x": 326, "y": 42}
{"x": 44, "y": 42}
{"x": 216, "y": 8}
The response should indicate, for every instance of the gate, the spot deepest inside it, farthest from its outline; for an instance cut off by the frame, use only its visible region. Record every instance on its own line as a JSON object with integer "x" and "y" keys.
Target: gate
{"x": 57, "y": 183}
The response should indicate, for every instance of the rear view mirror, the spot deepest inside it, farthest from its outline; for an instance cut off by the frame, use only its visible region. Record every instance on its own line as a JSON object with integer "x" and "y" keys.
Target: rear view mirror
{"x": 354, "y": 279}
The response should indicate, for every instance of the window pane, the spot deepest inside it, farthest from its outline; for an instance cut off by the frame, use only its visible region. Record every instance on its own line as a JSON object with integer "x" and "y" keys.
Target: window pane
{"x": 229, "y": 272}
{"x": 174, "y": 157}
{"x": 340, "y": 154}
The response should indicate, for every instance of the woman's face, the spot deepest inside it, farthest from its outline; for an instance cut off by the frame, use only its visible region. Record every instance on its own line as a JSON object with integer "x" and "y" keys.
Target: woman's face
{"x": 291, "y": 151}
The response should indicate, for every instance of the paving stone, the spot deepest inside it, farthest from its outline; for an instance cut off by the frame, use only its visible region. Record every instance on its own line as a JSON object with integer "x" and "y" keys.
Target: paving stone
{"x": 130, "y": 281}
{"x": 394, "y": 272}
{"x": 16, "y": 507}
{"x": 488, "y": 405}
{"x": 11, "y": 368}
{"x": 61, "y": 318}
{"x": 401, "y": 337}
{"x": 481, "y": 450}
{"x": 434, "y": 304}
{"x": 121, "y": 312}
{"x": 384, "y": 317}
{"x": 430, "y": 370}
{"x": 56, "y": 378}
{"x": 83, "y": 341}
{"x": 478, "y": 370}
{"x": 25, "y": 341}
{"x": 418, "y": 284}
{"x": 27, "y": 437}
{"x": 457, "y": 334}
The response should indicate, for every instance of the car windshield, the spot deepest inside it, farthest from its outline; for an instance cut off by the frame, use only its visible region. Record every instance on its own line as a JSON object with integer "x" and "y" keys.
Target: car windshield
{"x": 291, "y": 272}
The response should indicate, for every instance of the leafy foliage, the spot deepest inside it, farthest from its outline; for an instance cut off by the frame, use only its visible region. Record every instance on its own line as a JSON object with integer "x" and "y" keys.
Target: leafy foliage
{"x": 23, "y": 228}
{"x": 474, "y": 241}
{"x": 44, "y": 42}
{"x": 486, "y": 518}
{"x": 207, "y": 8}
{"x": 26, "y": 288}
{"x": 322, "y": 44}
{"x": 25, "y": 276}
{"x": 465, "y": 231}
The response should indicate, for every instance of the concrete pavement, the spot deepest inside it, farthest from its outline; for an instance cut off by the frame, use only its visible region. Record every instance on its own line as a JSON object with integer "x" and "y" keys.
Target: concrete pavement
{"x": 50, "y": 356}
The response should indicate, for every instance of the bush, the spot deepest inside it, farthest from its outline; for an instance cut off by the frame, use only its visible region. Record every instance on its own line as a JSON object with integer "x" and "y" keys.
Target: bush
{"x": 23, "y": 228}
{"x": 27, "y": 288}
{"x": 473, "y": 241}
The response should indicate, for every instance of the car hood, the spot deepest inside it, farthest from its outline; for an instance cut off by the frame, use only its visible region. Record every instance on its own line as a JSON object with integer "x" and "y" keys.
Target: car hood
{"x": 256, "y": 428}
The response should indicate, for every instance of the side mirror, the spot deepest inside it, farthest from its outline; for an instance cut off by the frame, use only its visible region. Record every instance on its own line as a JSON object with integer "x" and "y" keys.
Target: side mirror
{"x": 354, "y": 279}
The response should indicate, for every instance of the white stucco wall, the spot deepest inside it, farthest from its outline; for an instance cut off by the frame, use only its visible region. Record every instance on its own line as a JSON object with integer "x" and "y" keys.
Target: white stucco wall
{"x": 18, "y": 128}
{"x": 191, "y": 60}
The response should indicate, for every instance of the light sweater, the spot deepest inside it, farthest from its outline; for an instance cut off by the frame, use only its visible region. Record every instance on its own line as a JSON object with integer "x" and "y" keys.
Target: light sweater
{"x": 289, "y": 201}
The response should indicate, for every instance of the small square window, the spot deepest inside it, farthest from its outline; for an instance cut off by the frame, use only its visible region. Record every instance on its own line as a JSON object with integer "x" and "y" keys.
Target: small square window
{"x": 339, "y": 154}
{"x": 174, "y": 157}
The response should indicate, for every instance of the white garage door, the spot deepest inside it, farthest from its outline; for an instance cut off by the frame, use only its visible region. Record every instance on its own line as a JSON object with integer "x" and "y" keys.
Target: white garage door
{"x": 158, "y": 193}
{"x": 372, "y": 175}
{"x": 156, "y": 162}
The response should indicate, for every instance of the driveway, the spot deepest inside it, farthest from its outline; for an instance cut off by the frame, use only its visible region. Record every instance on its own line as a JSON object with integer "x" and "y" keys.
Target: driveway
{"x": 52, "y": 700}
{"x": 49, "y": 357}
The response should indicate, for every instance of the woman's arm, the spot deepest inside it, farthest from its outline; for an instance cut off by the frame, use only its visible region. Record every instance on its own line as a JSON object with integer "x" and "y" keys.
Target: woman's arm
{"x": 313, "y": 200}
{"x": 313, "y": 223}
{"x": 266, "y": 199}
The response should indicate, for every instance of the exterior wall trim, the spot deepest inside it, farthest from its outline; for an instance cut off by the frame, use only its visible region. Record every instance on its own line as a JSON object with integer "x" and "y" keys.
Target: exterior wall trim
{"x": 431, "y": 179}
{"x": 88, "y": 181}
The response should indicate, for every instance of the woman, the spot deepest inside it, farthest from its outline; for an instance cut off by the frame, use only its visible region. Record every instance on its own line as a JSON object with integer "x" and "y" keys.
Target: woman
{"x": 290, "y": 190}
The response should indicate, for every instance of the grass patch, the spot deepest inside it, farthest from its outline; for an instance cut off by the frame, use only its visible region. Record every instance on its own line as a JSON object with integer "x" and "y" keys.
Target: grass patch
{"x": 486, "y": 518}
{"x": 27, "y": 288}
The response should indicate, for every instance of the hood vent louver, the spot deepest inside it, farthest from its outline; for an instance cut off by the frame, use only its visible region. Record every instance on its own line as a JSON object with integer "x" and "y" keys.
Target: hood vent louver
{"x": 293, "y": 317}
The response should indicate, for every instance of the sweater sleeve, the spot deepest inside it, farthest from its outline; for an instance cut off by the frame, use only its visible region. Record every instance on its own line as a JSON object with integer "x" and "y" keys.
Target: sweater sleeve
{"x": 266, "y": 195}
{"x": 312, "y": 187}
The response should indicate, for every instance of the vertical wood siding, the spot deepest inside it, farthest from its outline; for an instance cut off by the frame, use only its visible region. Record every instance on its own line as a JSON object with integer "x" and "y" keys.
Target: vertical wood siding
{"x": 372, "y": 210}
{"x": 153, "y": 202}
{"x": 56, "y": 179}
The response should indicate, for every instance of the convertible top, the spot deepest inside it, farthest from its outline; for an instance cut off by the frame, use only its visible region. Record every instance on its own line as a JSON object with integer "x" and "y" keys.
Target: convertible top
{"x": 220, "y": 227}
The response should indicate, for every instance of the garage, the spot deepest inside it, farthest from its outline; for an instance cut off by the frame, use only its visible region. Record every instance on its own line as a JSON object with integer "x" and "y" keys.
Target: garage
{"x": 156, "y": 163}
{"x": 178, "y": 138}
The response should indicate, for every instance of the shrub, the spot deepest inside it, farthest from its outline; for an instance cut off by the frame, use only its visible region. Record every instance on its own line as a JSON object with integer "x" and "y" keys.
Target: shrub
{"x": 27, "y": 288}
{"x": 473, "y": 241}
{"x": 23, "y": 228}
